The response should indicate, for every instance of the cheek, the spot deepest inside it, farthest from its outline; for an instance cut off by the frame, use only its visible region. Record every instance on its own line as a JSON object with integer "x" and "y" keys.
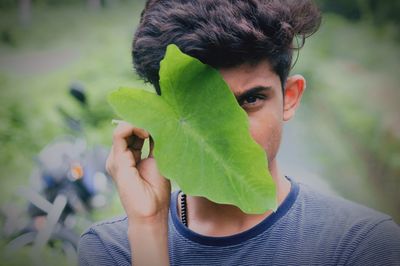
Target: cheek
{"x": 266, "y": 130}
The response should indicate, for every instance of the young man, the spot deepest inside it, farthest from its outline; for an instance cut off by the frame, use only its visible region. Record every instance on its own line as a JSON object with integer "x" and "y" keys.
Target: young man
{"x": 250, "y": 42}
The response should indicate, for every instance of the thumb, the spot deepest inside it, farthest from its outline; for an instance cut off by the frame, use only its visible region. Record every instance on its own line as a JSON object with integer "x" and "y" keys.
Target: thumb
{"x": 150, "y": 173}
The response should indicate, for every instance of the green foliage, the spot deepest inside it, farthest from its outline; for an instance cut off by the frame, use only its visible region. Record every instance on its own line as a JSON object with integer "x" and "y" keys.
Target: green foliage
{"x": 201, "y": 134}
{"x": 351, "y": 108}
{"x": 349, "y": 9}
{"x": 379, "y": 12}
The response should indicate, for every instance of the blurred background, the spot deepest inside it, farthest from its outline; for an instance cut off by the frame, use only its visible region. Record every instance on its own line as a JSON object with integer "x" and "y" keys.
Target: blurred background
{"x": 59, "y": 59}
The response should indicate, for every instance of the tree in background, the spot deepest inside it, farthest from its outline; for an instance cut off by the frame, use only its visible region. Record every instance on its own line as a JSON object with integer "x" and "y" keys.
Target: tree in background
{"x": 379, "y": 12}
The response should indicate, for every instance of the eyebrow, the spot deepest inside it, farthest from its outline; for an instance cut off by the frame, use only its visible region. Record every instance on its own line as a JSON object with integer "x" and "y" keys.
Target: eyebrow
{"x": 241, "y": 96}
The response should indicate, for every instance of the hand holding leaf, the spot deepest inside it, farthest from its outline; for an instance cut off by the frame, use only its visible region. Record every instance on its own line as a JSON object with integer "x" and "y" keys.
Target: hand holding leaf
{"x": 144, "y": 193}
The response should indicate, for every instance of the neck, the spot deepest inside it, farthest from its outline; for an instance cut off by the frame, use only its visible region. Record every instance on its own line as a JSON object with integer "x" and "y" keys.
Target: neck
{"x": 212, "y": 219}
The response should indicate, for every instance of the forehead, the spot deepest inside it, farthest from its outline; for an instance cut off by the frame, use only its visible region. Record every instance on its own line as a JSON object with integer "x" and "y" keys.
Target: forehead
{"x": 247, "y": 76}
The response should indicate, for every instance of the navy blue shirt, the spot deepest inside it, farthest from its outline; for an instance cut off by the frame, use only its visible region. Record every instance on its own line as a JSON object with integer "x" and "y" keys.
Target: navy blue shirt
{"x": 308, "y": 228}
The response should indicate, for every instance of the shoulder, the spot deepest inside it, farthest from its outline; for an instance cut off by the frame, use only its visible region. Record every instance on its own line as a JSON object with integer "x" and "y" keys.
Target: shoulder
{"x": 114, "y": 227}
{"x": 337, "y": 209}
{"x": 360, "y": 234}
{"x": 105, "y": 243}
{"x": 379, "y": 246}
{"x": 330, "y": 217}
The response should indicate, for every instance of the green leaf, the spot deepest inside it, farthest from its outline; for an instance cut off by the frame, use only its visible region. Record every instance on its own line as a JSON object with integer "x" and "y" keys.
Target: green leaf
{"x": 201, "y": 134}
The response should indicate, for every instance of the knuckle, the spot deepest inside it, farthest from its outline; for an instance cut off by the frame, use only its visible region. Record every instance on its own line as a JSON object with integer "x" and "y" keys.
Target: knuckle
{"x": 122, "y": 130}
{"x": 125, "y": 130}
{"x": 142, "y": 132}
{"x": 116, "y": 134}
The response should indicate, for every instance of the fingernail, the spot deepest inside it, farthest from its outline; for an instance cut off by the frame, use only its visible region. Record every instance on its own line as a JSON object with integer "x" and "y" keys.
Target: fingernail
{"x": 116, "y": 122}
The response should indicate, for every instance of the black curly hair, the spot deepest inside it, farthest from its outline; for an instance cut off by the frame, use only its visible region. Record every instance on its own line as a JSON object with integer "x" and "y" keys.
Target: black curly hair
{"x": 223, "y": 33}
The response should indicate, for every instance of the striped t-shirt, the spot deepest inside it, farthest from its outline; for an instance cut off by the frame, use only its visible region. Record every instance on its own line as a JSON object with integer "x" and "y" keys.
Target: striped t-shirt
{"x": 308, "y": 228}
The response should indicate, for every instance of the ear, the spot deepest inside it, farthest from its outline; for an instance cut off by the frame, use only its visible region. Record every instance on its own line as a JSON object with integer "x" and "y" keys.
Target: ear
{"x": 295, "y": 86}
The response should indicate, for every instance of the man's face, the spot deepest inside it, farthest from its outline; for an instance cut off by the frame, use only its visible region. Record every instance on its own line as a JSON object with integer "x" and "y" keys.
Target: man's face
{"x": 259, "y": 92}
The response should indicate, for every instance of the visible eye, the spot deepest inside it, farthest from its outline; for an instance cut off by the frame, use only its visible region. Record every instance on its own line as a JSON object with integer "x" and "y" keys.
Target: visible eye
{"x": 252, "y": 100}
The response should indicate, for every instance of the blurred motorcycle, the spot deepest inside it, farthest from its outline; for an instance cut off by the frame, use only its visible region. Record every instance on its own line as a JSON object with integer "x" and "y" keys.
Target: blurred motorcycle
{"x": 68, "y": 182}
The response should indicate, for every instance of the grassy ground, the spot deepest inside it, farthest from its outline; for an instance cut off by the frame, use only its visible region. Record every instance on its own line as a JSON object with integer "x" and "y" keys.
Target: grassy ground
{"x": 349, "y": 117}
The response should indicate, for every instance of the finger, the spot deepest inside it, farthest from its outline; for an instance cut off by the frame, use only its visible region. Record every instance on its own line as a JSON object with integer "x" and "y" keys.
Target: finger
{"x": 122, "y": 132}
{"x": 126, "y": 159}
{"x": 117, "y": 161}
{"x": 138, "y": 131}
{"x": 126, "y": 176}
